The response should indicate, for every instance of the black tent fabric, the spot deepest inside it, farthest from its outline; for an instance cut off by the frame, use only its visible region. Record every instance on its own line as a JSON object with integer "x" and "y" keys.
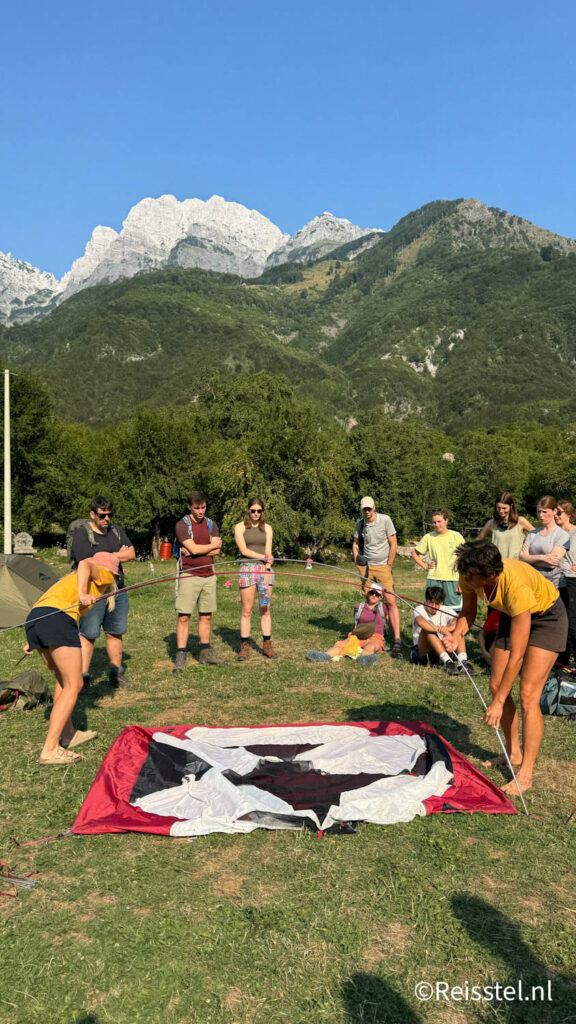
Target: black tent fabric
{"x": 22, "y": 581}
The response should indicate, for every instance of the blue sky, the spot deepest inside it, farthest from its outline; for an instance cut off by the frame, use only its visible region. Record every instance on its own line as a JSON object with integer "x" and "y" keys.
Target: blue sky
{"x": 366, "y": 109}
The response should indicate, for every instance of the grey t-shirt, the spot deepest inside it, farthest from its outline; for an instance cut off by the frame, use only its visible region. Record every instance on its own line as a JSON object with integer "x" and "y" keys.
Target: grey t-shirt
{"x": 542, "y": 544}
{"x": 376, "y": 538}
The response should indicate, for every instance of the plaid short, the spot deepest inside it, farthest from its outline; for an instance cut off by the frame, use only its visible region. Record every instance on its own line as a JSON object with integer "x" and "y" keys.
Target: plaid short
{"x": 251, "y": 571}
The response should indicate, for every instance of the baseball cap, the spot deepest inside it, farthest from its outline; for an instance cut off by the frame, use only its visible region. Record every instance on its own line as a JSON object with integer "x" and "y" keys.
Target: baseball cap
{"x": 367, "y": 502}
{"x": 376, "y": 586}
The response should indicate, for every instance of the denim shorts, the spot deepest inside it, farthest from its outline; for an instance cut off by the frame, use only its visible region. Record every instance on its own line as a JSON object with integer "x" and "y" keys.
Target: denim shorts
{"x": 98, "y": 617}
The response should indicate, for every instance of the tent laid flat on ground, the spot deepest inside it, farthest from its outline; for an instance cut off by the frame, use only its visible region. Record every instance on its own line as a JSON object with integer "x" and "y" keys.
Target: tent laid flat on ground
{"x": 192, "y": 780}
{"x": 22, "y": 581}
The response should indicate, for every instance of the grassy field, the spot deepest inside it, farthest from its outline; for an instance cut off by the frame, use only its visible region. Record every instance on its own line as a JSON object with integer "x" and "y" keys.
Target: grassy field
{"x": 281, "y": 927}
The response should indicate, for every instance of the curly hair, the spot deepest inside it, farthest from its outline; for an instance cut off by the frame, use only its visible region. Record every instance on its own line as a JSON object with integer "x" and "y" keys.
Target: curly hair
{"x": 478, "y": 558}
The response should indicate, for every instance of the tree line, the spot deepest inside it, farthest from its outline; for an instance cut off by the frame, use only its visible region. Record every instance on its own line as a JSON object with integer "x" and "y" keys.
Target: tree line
{"x": 253, "y": 435}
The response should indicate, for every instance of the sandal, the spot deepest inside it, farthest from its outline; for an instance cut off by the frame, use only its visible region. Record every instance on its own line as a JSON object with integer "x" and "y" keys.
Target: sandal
{"x": 61, "y": 756}
{"x": 80, "y": 737}
{"x": 397, "y": 646}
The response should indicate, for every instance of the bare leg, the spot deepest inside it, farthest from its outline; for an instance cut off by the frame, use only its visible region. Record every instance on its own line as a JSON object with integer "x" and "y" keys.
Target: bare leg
{"x": 509, "y": 720}
{"x": 182, "y": 630}
{"x": 428, "y": 642}
{"x": 87, "y": 652}
{"x": 204, "y": 623}
{"x": 337, "y": 648}
{"x": 535, "y": 669}
{"x": 247, "y": 600}
{"x": 66, "y": 665}
{"x": 265, "y": 616}
{"x": 114, "y": 649}
{"x": 394, "y": 614}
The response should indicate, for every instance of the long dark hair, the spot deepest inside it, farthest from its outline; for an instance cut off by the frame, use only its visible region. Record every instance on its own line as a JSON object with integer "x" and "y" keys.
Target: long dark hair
{"x": 248, "y": 521}
{"x": 506, "y": 499}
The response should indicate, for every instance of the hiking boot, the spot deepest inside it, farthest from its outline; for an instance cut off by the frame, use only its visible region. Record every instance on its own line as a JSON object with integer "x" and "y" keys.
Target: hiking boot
{"x": 244, "y": 651}
{"x": 120, "y": 679}
{"x": 179, "y": 663}
{"x": 267, "y": 649}
{"x": 208, "y": 656}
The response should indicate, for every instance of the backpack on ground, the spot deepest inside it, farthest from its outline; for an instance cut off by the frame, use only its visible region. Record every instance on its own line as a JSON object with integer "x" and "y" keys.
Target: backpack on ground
{"x": 559, "y": 694}
{"x": 176, "y": 549}
{"x": 85, "y": 524}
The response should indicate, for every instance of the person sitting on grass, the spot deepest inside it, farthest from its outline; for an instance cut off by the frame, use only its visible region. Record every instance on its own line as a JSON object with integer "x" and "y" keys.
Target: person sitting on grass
{"x": 366, "y": 640}
{"x": 533, "y": 629}
{"x": 431, "y": 622}
{"x": 52, "y": 629}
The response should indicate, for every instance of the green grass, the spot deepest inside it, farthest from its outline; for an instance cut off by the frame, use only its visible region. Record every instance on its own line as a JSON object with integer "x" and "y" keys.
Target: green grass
{"x": 280, "y": 927}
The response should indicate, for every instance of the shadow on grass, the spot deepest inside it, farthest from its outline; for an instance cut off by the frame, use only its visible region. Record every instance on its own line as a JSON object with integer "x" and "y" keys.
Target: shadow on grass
{"x": 457, "y": 733}
{"x": 86, "y": 1018}
{"x": 230, "y": 637}
{"x": 494, "y": 931}
{"x": 368, "y": 1000}
{"x": 334, "y": 625}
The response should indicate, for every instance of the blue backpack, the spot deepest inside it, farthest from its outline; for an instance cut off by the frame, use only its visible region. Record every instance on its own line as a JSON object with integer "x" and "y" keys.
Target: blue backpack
{"x": 176, "y": 549}
{"x": 559, "y": 694}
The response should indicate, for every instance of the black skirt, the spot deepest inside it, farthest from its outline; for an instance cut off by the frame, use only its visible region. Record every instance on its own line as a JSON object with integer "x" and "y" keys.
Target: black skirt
{"x": 548, "y": 631}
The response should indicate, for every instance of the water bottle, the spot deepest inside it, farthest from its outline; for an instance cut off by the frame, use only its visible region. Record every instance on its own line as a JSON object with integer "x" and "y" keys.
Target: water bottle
{"x": 263, "y": 592}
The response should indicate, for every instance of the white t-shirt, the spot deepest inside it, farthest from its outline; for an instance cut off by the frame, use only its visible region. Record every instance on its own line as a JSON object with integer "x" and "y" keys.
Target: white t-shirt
{"x": 443, "y": 617}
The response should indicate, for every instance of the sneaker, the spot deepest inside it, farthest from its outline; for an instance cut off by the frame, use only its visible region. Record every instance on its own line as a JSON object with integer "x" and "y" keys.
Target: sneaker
{"x": 453, "y": 668}
{"x": 267, "y": 649}
{"x": 179, "y": 663}
{"x": 208, "y": 656}
{"x": 244, "y": 651}
{"x": 367, "y": 659}
{"x": 317, "y": 656}
{"x": 120, "y": 679}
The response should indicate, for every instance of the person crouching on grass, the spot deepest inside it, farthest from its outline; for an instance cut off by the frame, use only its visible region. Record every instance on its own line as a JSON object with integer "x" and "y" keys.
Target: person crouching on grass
{"x": 52, "y": 629}
{"x": 432, "y": 622}
{"x": 532, "y": 630}
{"x": 370, "y": 618}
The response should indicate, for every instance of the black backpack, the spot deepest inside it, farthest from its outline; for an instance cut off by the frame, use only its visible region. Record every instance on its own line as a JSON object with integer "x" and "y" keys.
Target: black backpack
{"x": 559, "y": 694}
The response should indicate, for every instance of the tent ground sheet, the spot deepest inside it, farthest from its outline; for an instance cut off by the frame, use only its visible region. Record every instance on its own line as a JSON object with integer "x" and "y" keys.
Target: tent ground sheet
{"x": 193, "y": 780}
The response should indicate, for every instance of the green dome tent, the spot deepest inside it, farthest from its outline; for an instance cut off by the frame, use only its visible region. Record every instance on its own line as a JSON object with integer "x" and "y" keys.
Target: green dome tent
{"x": 22, "y": 581}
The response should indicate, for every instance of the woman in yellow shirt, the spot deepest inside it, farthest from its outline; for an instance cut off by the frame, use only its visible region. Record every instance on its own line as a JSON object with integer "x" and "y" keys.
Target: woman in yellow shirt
{"x": 440, "y": 547}
{"x": 533, "y": 629}
{"x": 52, "y": 629}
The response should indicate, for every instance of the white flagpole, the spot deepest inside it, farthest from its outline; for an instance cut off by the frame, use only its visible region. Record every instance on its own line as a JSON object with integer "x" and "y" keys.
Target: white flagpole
{"x": 7, "y": 468}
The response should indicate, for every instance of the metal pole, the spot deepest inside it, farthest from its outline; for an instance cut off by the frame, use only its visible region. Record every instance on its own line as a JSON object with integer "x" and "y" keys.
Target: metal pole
{"x": 7, "y": 468}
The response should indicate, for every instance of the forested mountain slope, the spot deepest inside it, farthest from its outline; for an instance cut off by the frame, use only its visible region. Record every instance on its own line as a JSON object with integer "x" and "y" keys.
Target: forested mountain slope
{"x": 461, "y": 315}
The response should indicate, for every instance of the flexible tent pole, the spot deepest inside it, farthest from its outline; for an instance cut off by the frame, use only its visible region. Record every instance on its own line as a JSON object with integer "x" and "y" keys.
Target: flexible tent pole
{"x": 7, "y": 468}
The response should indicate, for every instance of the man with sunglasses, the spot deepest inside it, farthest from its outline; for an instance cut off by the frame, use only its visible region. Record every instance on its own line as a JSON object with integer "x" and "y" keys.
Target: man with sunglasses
{"x": 101, "y": 534}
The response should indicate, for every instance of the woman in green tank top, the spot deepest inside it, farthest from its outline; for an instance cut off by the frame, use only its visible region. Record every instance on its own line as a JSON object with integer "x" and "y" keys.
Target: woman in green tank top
{"x": 507, "y": 528}
{"x": 254, "y": 541}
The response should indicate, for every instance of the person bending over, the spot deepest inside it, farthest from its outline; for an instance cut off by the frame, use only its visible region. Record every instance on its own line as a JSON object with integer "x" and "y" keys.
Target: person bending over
{"x": 533, "y": 629}
{"x": 431, "y": 622}
{"x": 366, "y": 640}
{"x": 52, "y": 629}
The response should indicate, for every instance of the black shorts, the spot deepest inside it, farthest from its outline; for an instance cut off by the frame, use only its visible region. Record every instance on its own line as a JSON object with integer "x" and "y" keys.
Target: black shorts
{"x": 548, "y": 631}
{"x": 50, "y": 630}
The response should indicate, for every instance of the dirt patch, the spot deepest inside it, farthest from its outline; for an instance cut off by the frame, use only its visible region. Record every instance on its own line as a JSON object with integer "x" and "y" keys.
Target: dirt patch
{"x": 469, "y": 841}
{"x": 227, "y": 884}
{"x": 393, "y": 940}
{"x": 187, "y": 712}
{"x": 123, "y": 698}
{"x": 142, "y": 911}
{"x": 555, "y": 775}
{"x": 164, "y": 665}
{"x": 234, "y": 998}
{"x": 309, "y": 689}
{"x": 78, "y": 937}
{"x": 532, "y": 903}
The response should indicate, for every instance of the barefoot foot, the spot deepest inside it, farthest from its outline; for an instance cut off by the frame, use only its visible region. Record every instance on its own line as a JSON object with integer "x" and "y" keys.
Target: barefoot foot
{"x": 511, "y": 789}
{"x": 500, "y": 761}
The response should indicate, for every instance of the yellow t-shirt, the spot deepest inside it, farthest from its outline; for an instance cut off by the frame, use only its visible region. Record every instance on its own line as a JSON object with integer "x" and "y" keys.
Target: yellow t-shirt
{"x": 440, "y": 547}
{"x": 521, "y": 588}
{"x": 64, "y": 593}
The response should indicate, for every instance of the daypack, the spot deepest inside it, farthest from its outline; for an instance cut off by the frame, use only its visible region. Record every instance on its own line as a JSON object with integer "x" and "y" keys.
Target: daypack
{"x": 358, "y": 626}
{"x": 176, "y": 549}
{"x": 559, "y": 694}
{"x": 25, "y": 691}
{"x": 360, "y": 528}
{"x": 85, "y": 524}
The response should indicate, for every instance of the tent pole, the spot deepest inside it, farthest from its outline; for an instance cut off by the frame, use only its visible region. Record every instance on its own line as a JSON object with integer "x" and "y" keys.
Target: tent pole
{"x": 7, "y": 468}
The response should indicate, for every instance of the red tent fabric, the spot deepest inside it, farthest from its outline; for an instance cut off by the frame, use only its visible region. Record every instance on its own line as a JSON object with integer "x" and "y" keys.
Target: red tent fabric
{"x": 109, "y": 805}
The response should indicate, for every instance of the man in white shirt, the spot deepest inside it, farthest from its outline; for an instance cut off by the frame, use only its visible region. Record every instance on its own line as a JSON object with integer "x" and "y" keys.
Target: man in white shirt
{"x": 430, "y": 622}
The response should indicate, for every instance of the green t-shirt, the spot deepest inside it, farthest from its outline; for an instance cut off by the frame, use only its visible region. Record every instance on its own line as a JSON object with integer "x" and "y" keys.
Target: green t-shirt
{"x": 440, "y": 547}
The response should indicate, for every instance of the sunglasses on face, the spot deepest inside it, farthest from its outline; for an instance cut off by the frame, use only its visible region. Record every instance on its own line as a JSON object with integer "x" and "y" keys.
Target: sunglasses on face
{"x": 256, "y": 511}
{"x": 374, "y": 593}
{"x": 104, "y": 515}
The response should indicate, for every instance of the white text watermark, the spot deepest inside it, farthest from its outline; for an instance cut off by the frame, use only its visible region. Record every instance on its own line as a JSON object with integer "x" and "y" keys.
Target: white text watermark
{"x": 519, "y": 991}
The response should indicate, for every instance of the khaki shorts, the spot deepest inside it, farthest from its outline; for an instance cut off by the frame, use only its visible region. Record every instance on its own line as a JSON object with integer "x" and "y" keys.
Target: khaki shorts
{"x": 196, "y": 592}
{"x": 379, "y": 574}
